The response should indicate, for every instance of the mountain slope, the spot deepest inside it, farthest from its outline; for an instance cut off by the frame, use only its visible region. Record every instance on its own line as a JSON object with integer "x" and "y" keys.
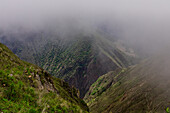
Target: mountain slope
{"x": 78, "y": 59}
{"x": 27, "y": 88}
{"x": 141, "y": 88}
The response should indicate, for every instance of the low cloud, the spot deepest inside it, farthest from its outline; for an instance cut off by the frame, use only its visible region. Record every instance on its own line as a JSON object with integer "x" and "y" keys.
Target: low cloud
{"x": 141, "y": 22}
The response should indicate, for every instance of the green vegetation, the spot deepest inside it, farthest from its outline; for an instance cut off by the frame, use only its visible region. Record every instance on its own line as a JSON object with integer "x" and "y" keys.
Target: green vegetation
{"x": 102, "y": 84}
{"x": 167, "y": 110}
{"x": 105, "y": 81}
{"x": 27, "y": 88}
{"x": 15, "y": 96}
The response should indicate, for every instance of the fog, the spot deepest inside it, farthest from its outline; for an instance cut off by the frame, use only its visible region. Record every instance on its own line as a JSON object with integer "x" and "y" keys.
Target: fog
{"x": 140, "y": 22}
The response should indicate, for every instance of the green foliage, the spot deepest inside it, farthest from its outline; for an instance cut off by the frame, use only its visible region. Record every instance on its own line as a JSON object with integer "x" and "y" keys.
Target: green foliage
{"x": 94, "y": 92}
{"x": 16, "y": 93}
{"x": 167, "y": 110}
{"x": 20, "y": 92}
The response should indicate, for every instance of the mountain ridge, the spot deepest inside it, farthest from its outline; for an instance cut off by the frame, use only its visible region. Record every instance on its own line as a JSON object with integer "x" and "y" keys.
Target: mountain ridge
{"x": 79, "y": 59}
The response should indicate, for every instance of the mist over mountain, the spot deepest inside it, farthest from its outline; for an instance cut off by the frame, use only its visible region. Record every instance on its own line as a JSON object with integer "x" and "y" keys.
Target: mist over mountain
{"x": 103, "y": 48}
{"x": 141, "y": 22}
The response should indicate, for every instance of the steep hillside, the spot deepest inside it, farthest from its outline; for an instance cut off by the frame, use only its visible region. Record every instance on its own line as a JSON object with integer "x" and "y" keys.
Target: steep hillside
{"x": 138, "y": 89}
{"x": 78, "y": 59}
{"x": 27, "y": 88}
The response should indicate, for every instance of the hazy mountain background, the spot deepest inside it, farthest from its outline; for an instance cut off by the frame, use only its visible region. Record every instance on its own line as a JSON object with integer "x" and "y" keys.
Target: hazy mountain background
{"x": 78, "y": 59}
{"x": 140, "y": 88}
{"x": 92, "y": 44}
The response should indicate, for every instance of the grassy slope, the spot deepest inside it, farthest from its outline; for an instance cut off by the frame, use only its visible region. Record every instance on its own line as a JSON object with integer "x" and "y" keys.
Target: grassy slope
{"x": 27, "y": 88}
{"x": 141, "y": 88}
